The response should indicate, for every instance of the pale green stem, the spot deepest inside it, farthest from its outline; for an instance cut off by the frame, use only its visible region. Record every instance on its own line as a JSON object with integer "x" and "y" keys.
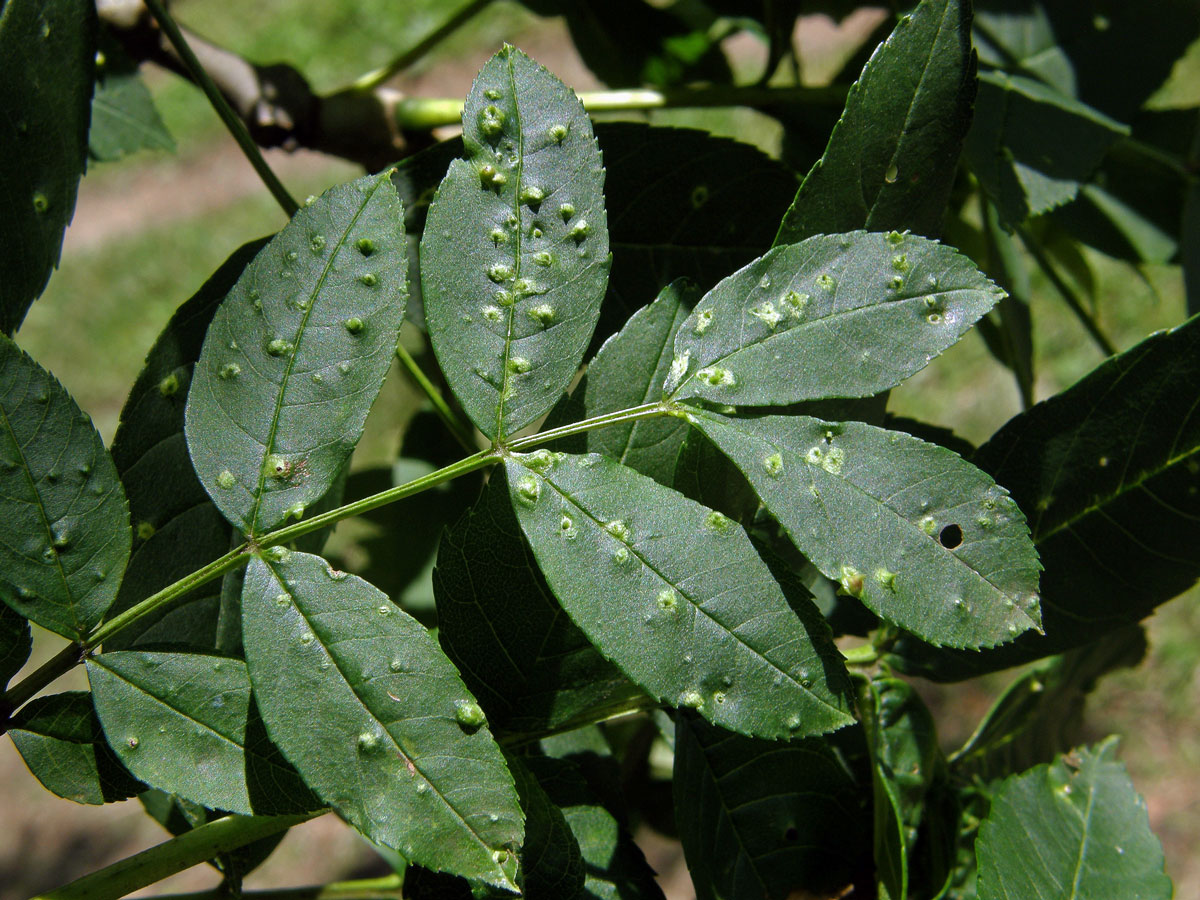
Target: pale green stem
{"x": 235, "y": 125}
{"x": 372, "y": 80}
{"x": 866, "y": 655}
{"x": 461, "y": 432}
{"x": 240, "y": 556}
{"x": 389, "y": 887}
{"x": 423, "y": 114}
{"x": 188, "y": 849}
{"x": 646, "y": 411}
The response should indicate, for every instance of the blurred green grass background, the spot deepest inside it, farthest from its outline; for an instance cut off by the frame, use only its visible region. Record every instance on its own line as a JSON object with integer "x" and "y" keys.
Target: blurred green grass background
{"x": 117, "y": 287}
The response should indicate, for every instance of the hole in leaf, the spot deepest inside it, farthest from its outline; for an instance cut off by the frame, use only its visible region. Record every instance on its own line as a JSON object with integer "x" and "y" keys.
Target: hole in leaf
{"x": 951, "y": 536}
{"x": 791, "y": 834}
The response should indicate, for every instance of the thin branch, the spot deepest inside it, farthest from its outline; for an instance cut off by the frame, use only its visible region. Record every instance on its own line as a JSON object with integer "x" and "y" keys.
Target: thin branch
{"x": 232, "y": 121}
{"x": 372, "y": 80}
{"x": 462, "y": 433}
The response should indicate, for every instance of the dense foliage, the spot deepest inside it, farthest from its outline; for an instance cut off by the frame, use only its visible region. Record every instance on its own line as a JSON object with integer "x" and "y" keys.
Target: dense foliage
{"x": 656, "y": 500}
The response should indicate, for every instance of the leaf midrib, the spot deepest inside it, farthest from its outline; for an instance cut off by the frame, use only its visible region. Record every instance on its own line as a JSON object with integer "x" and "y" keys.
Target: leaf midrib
{"x": 404, "y": 754}
{"x": 505, "y": 375}
{"x": 268, "y": 447}
{"x": 698, "y": 607}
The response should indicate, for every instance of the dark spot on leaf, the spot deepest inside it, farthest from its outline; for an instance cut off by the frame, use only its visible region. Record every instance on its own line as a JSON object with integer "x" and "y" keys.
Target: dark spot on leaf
{"x": 791, "y": 835}
{"x": 951, "y": 536}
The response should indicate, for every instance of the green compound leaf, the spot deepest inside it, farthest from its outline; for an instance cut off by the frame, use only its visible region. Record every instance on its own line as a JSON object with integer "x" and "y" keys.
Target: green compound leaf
{"x": 176, "y": 527}
{"x": 296, "y": 355}
{"x": 530, "y": 667}
{"x": 1081, "y": 820}
{"x": 180, "y": 723}
{"x": 1031, "y": 146}
{"x": 16, "y": 640}
{"x": 515, "y": 252}
{"x": 66, "y": 525}
{"x": 936, "y": 546}
{"x": 1109, "y": 474}
{"x": 396, "y": 745}
{"x": 834, "y": 316}
{"x": 890, "y": 161}
{"x": 59, "y": 738}
{"x": 614, "y": 866}
{"x": 676, "y": 596}
{"x": 48, "y": 48}
{"x": 124, "y": 118}
{"x": 628, "y": 371}
{"x": 766, "y": 819}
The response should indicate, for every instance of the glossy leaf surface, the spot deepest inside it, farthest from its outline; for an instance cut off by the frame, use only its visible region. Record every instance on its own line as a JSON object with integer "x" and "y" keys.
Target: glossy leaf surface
{"x": 528, "y": 664}
{"x": 1109, "y": 474}
{"x": 766, "y": 819}
{"x": 59, "y": 738}
{"x": 515, "y": 251}
{"x": 630, "y": 370}
{"x": 396, "y": 744}
{"x": 833, "y": 316}
{"x": 66, "y": 521}
{"x": 48, "y": 48}
{"x": 675, "y": 595}
{"x": 1081, "y": 819}
{"x": 935, "y": 545}
{"x": 296, "y": 355}
{"x": 179, "y": 722}
{"x": 891, "y": 160}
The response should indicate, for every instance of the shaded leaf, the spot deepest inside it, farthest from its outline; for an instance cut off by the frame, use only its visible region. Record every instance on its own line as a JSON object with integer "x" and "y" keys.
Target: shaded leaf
{"x": 630, "y": 370}
{"x": 935, "y": 547}
{"x": 296, "y": 355}
{"x": 124, "y": 118}
{"x": 766, "y": 819}
{"x": 683, "y": 204}
{"x": 1041, "y": 713}
{"x": 1081, "y": 819}
{"x": 551, "y": 863}
{"x": 60, "y": 739}
{"x": 905, "y": 760}
{"x": 16, "y": 641}
{"x": 177, "y": 529}
{"x": 628, "y": 43}
{"x": 1112, "y": 55}
{"x": 180, "y": 723}
{"x": 396, "y": 745}
{"x": 1008, "y": 329}
{"x": 1031, "y": 146}
{"x": 614, "y": 866}
{"x": 48, "y": 48}
{"x": 676, "y": 596}
{"x": 530, "y": 667}
{"x": 833, "y": 316}
{"x": 1109, "y": 474}
{"x": 515, "y": 252}
{"x": 67, "y": 524}
{"x": 891, "y": 159}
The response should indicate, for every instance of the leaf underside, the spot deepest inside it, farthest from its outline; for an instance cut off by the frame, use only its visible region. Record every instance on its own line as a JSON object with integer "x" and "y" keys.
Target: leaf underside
{"x": 515, "y": 251}
{"x": 296, "y": 355}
